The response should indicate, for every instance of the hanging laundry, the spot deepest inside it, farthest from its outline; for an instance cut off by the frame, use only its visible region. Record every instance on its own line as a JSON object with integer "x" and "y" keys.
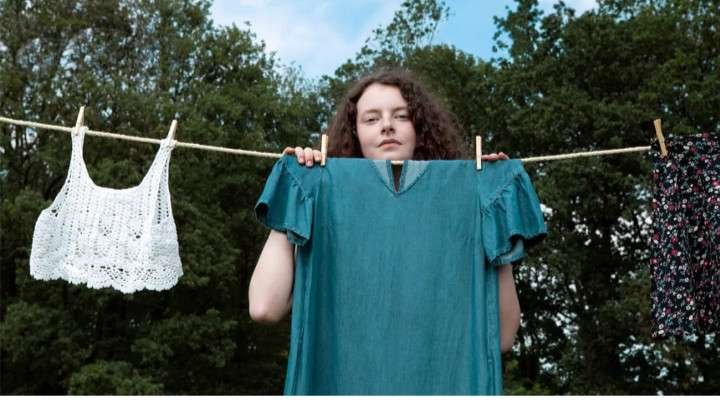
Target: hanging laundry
{"x": 395, "y": 290}
{"x": 685, "y": 241}
{"x": 104, "y": 237}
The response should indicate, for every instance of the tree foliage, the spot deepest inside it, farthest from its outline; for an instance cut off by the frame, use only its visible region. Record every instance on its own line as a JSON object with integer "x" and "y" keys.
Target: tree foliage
{"x": 561, "y": 82}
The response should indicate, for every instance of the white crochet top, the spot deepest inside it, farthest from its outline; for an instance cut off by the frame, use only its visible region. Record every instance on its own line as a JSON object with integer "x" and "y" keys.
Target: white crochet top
{"x": 104, "y": 237}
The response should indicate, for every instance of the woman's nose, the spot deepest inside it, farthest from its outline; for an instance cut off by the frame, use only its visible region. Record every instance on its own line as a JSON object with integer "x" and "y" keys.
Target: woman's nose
{"x": 387, "y": 125}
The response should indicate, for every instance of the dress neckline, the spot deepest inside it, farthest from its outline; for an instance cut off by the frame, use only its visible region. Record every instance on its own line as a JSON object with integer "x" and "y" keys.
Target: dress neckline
{"x": 410, "y": 172}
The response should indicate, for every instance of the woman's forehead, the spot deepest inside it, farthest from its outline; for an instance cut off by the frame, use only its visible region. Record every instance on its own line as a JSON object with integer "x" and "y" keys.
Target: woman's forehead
{"x": 378, "y": 97}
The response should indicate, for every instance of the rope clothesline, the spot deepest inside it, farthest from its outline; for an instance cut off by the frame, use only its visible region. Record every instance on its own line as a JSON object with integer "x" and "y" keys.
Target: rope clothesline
{"x": 278, "y": 155}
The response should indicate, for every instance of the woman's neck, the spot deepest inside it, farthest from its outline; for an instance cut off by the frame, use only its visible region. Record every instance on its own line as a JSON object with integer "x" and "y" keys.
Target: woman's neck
{"x": 397, "y": 171}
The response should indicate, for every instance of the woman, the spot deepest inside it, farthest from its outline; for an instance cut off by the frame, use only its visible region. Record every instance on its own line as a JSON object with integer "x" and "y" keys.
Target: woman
{"x": 388, "y": 115}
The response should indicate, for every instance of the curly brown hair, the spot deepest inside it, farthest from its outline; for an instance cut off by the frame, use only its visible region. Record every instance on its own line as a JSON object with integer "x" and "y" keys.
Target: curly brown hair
{"x": 437, "y": 131}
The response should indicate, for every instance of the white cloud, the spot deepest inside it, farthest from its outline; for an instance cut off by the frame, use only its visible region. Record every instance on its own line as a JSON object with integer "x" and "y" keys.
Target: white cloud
{"x": 315, "y": 35}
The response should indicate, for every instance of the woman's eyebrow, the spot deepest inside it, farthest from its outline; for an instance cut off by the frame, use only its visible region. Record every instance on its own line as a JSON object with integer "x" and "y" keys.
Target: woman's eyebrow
{"x": 377, "y": 110}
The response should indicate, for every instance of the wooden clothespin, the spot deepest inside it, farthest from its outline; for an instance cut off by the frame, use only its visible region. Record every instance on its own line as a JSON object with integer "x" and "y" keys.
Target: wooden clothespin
{"x": 80, "y": 118}
{"x": 478, "y": 152}
{"x": 323, "y": 148}
{"x": 661, "y": 138}
{"x": 171, "y": 133}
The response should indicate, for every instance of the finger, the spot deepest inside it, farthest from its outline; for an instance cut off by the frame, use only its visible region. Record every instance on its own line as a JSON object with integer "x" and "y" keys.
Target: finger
{"x": 288, "y": 150}
{"x": 318, "y": 155}
{"x": 300, "y": 155}
{"x": 504, "y": 156}
{"x": 309, "y": 157}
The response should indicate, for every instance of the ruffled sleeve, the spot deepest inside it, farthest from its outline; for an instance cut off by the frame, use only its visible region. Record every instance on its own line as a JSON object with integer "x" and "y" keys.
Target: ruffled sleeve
{"x": 285, "y": 205}
{"x": 512, "y": 221}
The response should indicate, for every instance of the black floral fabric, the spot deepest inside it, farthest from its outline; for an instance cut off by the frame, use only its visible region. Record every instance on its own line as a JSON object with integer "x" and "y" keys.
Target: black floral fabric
{"x": 685, "y": 241}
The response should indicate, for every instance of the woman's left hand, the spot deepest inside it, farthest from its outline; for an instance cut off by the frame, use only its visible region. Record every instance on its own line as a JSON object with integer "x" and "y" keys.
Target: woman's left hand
{"x": 494, "y": 157}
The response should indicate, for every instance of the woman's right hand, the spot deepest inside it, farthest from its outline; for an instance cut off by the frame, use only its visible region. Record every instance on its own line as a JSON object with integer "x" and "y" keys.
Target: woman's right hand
{"x": 305, "y": 155}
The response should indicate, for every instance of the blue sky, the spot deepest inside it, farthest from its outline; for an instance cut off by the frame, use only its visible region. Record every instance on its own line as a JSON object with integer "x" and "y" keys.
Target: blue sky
{"x": 320, "y": 35}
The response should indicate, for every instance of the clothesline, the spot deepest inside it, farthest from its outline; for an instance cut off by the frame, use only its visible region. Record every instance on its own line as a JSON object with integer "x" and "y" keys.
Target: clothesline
{"x": 278, "y": 155}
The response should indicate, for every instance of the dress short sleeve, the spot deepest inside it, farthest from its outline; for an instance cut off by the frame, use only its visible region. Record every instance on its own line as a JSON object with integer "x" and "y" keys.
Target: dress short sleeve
{"x": 512, "y": 222}
{"x": 285, "y": 205}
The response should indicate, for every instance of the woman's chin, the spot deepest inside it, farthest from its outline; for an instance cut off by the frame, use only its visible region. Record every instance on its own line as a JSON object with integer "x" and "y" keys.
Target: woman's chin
{"x": 392, "y": 155}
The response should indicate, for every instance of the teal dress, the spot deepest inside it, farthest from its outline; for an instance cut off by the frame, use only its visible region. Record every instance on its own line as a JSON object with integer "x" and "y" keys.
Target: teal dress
{"x": 395, "y": 290}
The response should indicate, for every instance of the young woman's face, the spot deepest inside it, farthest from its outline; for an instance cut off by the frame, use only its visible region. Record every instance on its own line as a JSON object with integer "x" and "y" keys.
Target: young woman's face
{"x": 383, "y": 123}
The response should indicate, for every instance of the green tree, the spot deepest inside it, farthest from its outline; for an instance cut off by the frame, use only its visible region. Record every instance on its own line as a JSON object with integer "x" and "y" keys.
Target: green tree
{"x": 562, "y": 82}
{"x": 596, "y": 81}
{"x": 137, "y": 66}
{"x": 117, "y": 378}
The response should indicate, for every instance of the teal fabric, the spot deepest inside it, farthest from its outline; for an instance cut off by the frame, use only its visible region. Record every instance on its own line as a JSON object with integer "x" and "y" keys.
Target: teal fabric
{"x": 395, "y": 290}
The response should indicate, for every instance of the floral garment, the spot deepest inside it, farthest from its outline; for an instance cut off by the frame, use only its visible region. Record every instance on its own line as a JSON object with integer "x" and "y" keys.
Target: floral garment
{"x": 685, "y": 243}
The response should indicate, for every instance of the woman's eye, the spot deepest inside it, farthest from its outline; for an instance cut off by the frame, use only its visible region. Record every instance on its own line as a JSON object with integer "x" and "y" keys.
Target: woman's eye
{"x": 402, "y": 116}
{"x": 371, "y": 120}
